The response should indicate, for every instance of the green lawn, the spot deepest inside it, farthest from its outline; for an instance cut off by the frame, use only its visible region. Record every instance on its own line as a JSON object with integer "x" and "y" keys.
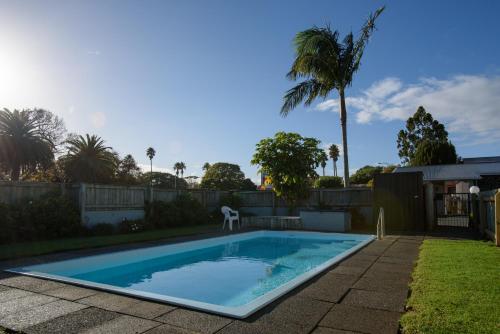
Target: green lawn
{"x": 455, "y": 289}
{"x": 51, "y": 246}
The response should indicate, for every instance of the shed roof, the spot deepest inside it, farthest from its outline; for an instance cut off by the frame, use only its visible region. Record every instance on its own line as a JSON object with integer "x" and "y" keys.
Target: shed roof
{"x": 453, "y": 172}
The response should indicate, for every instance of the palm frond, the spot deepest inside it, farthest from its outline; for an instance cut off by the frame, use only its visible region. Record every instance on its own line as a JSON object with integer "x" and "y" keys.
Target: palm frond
{"x": 366, "y": 32}
{"x": 307, "y": 90}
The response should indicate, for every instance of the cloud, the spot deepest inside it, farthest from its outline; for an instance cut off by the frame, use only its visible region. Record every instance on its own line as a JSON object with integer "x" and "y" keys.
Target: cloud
{"x": 468, "y": 105}
{"x": 94, "y": 52}
{"x": 98, "y": 119}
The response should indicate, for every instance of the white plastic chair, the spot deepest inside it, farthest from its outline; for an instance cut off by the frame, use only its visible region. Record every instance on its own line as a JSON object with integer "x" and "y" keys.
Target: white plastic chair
{"x": 230, "y": 216}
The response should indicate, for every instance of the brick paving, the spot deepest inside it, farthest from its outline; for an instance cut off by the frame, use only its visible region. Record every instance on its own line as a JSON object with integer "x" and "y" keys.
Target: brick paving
{"x": 365, "y": 293}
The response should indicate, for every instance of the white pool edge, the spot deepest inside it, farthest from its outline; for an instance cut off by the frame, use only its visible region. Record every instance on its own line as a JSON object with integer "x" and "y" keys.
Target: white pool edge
{"x": 239, "y": 312}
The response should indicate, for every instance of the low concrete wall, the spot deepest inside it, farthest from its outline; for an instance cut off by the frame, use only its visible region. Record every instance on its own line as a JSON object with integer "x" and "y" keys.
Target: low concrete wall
{"x": 328, "y": 221}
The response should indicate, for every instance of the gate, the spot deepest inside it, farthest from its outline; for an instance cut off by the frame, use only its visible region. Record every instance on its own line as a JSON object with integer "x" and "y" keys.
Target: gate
{"x": 402, "y": 197}
{"x": 452, "y": 210}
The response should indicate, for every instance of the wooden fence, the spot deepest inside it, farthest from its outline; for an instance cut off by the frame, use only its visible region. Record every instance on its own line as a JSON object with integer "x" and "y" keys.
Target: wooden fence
{"x": 101, "y": 202}
{"x": 489, "y": 214}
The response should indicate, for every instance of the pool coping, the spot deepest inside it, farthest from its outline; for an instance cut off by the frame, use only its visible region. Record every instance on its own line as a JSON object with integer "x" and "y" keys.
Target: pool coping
{"x": 238, "y": 312}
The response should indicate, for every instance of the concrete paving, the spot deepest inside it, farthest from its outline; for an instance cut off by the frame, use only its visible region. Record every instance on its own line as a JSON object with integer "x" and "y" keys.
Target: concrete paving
{"x": 365, "y": 293}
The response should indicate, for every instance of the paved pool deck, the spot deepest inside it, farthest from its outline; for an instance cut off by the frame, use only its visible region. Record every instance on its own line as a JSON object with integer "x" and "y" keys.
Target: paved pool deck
{"x": 365, "y": 293}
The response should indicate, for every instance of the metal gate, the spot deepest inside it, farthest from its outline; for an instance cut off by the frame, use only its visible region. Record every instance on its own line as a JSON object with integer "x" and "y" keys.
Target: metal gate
{"x": 402, "y": 197}
{"x": 452, "y": 210}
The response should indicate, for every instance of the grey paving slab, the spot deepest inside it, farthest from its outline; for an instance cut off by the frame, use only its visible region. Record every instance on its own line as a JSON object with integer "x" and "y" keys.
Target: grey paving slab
{"x": 385, "y": 285}
{"x": 169, "y": 329}
{"x": 302, "y": 311}
{"x": 388, "y": 300}
{"x": 195, "y": 321}
{"x": 392, "y": 267}
{"x": 364, "y": 257}
{"x": 265, "y": 327}
{"x": 9, "y": 294}
{"x": 124, "y": 324}
{"x": 397, "y": 260}
{"x": 75, "y": 322}
{"x": 39, "y": 314}
{"x": 326, "y": 330}
{"x": 335, "y": 278}
{"x": 70, "y": 292}
{"x": 354, "y": 262}
{"x": 30, "y": 283}
{"x": 345, "y": 270}
{"x": 147, "y": 310}
{"x": 109, "y": 301}
{"x": 19, "y": 304}
{"x": 359, "y": 319}
{"x": 385, "y": 275}
{"x": 326, "y": 290}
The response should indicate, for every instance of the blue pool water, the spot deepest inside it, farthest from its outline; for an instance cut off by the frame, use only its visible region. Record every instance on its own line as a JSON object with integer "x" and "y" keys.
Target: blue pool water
{"x": 228, "y": 273}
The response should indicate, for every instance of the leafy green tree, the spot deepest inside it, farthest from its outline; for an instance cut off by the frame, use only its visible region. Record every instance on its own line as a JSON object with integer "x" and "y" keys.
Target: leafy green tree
{"x": 328, "y": 182}
{"x": 323, "y": 160}
{"x": 25, "y": 145}
{"x": 333, "y": 152}
{"x": 420, "y": 127}
{"x": 206, "y": 166}
{"x": 290, "y": 160}
{"x": 128, "y": 171}
{"x": 327, "y": 64}
{"x": 164, "y": 180}
{"x": 365, "y": 174}
{"x": 89, "y": 160}
{"x": 223, "y": 176}
{"x": 434, "y": 153}
{"x": 248, "y": 184}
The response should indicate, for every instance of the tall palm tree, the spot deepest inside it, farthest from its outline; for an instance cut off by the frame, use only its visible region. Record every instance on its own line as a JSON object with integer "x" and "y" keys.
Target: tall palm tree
{"x": 89, "y": 159}
{"x": 327, "y": 64}
{"x": 150, "y": 152}
{"x": 206, "y": 166}
{"x": 323, "y": 160}
{"x": 179, "y": 167}
{"x": 23, "y": 146}
{"x": 333, "y": 151}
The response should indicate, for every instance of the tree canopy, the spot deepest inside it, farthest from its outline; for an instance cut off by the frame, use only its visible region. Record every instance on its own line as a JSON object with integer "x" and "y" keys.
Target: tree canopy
{"x": 27, "y": 140}
{"x": 291, "y": 161}
{"x": 365, "y": 174}
{"x": 421, "y": 127}
{"x": 434, "y": 153}
{"x": 164, "y": 180}
{"x": 328, "y": 182}
{"x": 224, "y": 176}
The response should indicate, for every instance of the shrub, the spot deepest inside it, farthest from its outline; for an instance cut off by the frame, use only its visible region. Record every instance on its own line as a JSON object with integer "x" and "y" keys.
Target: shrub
{"x": 132, "y": 226}
{"x": 184, "y": 210}
{"x": 328, "y": 182}
{"x": 51, "y": 216}
{"x": 102, "y": 229}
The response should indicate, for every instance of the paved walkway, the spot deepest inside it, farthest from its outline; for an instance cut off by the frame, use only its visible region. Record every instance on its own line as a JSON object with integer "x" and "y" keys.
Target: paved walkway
{"x": 365, "y": 293}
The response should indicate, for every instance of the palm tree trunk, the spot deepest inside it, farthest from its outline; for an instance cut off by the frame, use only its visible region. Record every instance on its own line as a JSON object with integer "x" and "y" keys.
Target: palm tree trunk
{"x": 343, "y": 123}
{"x": 323, "y": 171}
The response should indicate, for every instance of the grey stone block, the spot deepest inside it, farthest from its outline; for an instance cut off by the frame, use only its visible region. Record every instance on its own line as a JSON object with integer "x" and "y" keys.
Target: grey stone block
{"x": 147, "y": 310}
{"x": 326, "y": 330}
{"x": 195, "y": 321}
{"x": 75, "y": 322}
{"x": 124, "y": 324}
{"x": 385, "y": 285}
{"x": 19, "y": 304}
{"x": 39, "y": 314}
{"x": 345, "y": 270}
{"x": 71, "y": 292}
{"x": 390, "y": 301}
{"x": 9, "y": 294}
{"x": 359, "y": 319}
{"x": 30, "y": 283}
{"x": 169, "y": 329}
{"x": 109, "y": 301}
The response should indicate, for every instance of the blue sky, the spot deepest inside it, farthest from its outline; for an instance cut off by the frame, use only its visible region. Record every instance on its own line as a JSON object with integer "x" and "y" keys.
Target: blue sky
{"x": 202, "y": 81}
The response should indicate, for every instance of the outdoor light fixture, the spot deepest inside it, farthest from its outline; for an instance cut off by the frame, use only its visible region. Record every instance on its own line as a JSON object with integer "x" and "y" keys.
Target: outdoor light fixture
{"x": 474, "y": 190}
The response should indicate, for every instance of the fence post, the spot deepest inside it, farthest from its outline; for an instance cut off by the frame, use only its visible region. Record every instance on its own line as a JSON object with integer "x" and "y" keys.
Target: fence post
{"x": 274, "y": 203}
{"x": 497, "y": 218}
{"x": 82, "y": 201}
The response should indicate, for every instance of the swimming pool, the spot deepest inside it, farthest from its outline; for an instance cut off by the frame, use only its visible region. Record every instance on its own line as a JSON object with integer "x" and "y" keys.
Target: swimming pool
{"x": 231, "y": 275}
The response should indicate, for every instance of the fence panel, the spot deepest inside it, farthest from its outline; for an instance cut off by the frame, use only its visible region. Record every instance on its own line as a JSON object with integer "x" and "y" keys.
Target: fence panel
{"x": 15, "y": 192}
{"x": 164, "y": 195}
{"x": 113, "y": 197}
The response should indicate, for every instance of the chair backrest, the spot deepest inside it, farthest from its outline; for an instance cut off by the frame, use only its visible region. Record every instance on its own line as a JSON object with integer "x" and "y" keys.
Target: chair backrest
{"x": 225, "y": 210}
